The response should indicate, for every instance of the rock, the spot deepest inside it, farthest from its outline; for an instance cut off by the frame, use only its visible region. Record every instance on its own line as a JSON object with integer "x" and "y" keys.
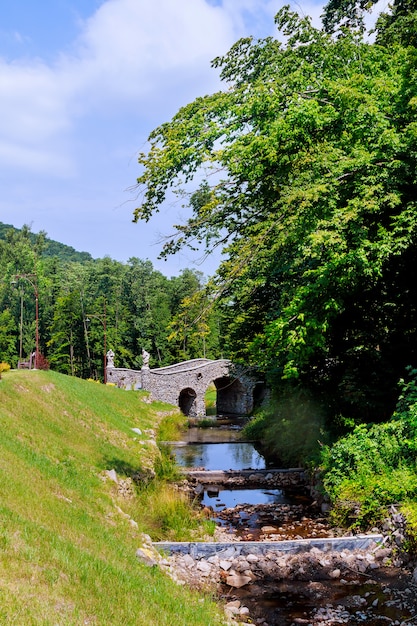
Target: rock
{"x": 233, "y": 607}
{"x": 267, "y": 530}
{"x": 112, "y": 475}
{"x": 147, "y": 556}
{"x": 225, "y": 565}
{"x": 188, "y": 561}
{"x": 382, "y": 553}
{"x": 325, "y": 508}
{"x": 256, "y": 478}
{"x": 252, "y": 558}
{"x": 241, "y": 565}
{"x": 236, "y": 604}
{"x": 204, "y": 568}
{"x": 238, "y": 580}
{"x": 335, "y": 573}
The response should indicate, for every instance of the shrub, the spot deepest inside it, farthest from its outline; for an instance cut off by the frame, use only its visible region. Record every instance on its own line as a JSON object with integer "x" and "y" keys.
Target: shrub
{"x": 42, "y": 362}
{"x": 4, "y": 367}
{"x": 375, "y": 465}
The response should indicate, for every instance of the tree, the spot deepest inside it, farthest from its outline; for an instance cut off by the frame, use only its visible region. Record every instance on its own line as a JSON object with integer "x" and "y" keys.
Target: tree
{"x": 68, "y": 336}
{"x": 7, "y": 337}
{"x": 193, "y": 329}
{"x": 309, "y": 155}
{"x": 398, "y": 26}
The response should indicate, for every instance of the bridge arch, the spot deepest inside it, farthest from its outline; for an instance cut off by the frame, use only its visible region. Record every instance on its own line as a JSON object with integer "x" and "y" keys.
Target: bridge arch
{"x": 187, "y": 401}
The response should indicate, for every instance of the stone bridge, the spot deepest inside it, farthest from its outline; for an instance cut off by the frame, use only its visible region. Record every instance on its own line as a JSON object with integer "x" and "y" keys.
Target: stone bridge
{"x": 185, "y": 385}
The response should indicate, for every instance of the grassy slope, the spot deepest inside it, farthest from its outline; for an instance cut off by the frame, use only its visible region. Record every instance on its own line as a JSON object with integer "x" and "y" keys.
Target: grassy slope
{"x": 67, "y": 554}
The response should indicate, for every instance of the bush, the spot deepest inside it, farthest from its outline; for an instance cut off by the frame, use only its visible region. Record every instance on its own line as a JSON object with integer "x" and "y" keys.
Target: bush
{"x": 375, "y": 465}
{"x": 4, "y": 367}
{"x": 363, "y": 500}
{"x": 43, "y": 363}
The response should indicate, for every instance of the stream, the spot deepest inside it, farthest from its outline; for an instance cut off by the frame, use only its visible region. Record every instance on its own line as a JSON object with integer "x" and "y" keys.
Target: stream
{"x": 275, "y": 514}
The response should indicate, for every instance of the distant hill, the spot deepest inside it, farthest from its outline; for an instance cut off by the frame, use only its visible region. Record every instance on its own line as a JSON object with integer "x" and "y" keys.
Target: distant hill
{"x": 52, "y": 248}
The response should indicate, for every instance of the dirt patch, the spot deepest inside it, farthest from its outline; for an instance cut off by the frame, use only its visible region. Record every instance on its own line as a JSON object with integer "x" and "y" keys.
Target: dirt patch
{"x": 48, "y": 388}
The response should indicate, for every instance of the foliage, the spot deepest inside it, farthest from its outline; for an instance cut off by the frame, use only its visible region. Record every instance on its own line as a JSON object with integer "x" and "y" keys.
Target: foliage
{"x": 171, "y": 426}
{"x": 4, "y": 367}
{"x": 83, "y": 302}
{"x": 398, "y": 25}
{"x": 8, "y": 337}
{"x": 210, "y": 400}
{"x": 409, "y": 510}
{"x": 307, "y": 158}
{"x": 374, "y": 466}
{"x": 364, "y": 500}
{"x": 408, "y": 393}
{"x": 50, "y": 248}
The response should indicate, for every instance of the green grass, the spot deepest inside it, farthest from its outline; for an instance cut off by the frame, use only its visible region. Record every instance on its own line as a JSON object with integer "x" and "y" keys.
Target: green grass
{"x": 67, "y": 551}
{"x": 210, "y": 400}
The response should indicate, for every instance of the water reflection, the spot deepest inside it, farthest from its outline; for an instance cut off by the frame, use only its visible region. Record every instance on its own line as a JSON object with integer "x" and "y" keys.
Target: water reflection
{"x": 223, "y": 456}
{"x": 227, "y": 498}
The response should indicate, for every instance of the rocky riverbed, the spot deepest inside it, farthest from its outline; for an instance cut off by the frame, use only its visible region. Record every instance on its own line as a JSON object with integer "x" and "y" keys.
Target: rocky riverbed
{"x": 273, "y": 522}
{"x": 318, "y": 587}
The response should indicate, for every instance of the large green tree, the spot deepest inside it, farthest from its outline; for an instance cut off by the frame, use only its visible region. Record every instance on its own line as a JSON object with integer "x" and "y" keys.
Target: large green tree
{"x": 308, "y": 157}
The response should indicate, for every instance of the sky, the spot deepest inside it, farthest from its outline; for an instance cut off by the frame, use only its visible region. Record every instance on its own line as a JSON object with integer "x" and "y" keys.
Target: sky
{"x": 82, "y": 84}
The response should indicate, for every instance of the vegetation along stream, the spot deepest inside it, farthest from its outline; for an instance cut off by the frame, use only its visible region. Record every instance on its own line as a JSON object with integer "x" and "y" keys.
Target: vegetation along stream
{"x": 299, "y": 592}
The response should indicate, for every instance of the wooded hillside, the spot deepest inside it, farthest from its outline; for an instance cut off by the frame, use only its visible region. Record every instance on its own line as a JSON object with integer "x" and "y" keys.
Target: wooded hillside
{"x": 86, "y": 305}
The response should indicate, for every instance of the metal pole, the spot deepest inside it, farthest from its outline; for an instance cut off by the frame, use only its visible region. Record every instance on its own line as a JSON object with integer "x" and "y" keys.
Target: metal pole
{"x": 21, "y": 326}
{"x": 105, "y": 351}
{"x": 37, "y": 329}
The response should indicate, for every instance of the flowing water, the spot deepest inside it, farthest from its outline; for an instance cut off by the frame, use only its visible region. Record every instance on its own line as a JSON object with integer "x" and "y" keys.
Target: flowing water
{"x": 233, "y": 455}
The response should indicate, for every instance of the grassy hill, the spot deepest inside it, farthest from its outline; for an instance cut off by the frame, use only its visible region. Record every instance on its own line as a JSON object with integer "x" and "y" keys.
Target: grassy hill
{"x": 67, "y": 540}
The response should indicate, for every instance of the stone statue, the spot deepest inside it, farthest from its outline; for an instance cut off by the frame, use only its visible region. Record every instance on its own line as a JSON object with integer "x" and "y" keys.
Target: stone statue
{"x": 145, "y": 358}
{"x": 110, "y": 358}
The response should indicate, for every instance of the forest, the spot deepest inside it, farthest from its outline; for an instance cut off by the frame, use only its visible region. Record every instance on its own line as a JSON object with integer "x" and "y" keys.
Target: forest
{"x": 303, "y": 170}
{"x": 87, "y": 306}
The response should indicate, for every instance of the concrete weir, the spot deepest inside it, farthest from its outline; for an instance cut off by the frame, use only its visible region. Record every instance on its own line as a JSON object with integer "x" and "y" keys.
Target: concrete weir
{"x": 205, "y": 550}
{"x": 282, "y": 477}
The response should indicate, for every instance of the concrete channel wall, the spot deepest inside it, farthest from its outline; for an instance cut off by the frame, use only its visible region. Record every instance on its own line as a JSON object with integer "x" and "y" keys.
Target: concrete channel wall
{"x": 244, "y": 548}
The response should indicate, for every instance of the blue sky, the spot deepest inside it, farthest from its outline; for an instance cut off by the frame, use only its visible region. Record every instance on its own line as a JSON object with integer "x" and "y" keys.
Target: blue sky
{"x": 82, "y": 84}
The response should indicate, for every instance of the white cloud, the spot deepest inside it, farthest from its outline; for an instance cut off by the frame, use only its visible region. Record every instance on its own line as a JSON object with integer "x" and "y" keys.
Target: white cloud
{"x": 129, "y": 53}
{"x": 129, "y": 48}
